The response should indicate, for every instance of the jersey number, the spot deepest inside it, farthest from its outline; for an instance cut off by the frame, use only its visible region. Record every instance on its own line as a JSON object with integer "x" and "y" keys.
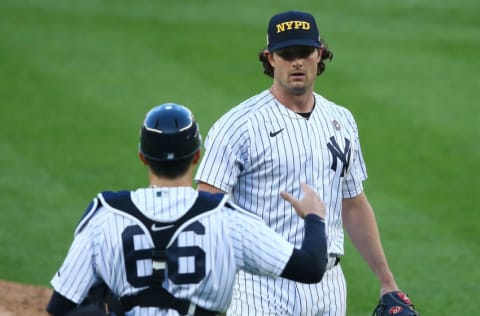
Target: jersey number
{"x": 175, "y": 254}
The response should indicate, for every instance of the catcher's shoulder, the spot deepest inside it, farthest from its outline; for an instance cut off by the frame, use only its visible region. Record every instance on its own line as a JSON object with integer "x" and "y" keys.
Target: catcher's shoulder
{"x": 102, "y": 199}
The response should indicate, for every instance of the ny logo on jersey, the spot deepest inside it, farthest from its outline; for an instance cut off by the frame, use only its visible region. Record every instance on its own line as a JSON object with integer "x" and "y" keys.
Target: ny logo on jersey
{"x": 338, "y": 154}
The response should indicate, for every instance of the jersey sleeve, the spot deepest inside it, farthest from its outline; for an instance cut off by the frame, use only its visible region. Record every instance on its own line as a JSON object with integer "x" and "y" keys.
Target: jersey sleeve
{"x": 77, "y": 274}
{"x": 259, "y": 249}
{"x": 226, "y": 152}
{"x": 357, "y": 173}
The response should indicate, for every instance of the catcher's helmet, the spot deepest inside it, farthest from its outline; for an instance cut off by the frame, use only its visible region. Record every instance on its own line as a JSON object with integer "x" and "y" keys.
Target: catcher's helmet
{"x": 169, "y": 133}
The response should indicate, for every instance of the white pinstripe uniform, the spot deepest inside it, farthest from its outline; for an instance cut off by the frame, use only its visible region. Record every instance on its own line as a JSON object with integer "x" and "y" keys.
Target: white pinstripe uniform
{"x": 233, "y": 239}
{"x": 259, "y": 148}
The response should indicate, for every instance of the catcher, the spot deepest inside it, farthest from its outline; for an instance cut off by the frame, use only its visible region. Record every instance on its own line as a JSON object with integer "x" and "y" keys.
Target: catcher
{"x": 395, "y": 303}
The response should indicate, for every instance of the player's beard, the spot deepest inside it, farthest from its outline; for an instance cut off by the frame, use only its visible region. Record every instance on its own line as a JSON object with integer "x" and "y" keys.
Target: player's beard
{"x": 294, "y": 88}
{"x": 299, "y": 87}
{"x": 297, "y": 90}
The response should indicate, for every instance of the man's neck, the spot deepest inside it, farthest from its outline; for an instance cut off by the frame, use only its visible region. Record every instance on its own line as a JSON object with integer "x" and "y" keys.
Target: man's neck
{"x": 185, "y": 181}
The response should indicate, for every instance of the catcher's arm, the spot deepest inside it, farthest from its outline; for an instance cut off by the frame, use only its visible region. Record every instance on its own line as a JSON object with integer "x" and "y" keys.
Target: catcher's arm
{"x": 308, "y": 264}
{"x": 60, "y": 305}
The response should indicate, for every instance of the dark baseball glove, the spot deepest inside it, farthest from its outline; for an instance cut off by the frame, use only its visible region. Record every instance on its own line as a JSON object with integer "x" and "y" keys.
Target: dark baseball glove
{"x": 395, "y": 303}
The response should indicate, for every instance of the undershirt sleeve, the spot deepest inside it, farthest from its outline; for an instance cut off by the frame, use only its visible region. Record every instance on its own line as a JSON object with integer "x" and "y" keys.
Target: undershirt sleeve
{"x": 308, "y": 264}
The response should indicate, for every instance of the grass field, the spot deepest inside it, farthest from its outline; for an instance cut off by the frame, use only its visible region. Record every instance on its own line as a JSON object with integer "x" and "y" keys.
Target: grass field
{"x": 78, "y": 76}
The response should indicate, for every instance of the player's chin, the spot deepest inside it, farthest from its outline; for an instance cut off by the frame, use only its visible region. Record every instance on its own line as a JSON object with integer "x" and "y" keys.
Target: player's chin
{"x": 296, "y": 89}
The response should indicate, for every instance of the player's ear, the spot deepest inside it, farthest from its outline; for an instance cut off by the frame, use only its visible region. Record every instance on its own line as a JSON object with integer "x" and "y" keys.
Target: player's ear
{"x": 269, "y": 57}
{"x": 196, "y": 157}
{"x": 142, "y": 158}
{"x": 320, "y": 53}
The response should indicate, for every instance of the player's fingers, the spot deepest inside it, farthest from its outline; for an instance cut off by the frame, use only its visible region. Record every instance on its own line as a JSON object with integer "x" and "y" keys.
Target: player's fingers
{"x": 309, "y": 191}
{"x": 287, "y": 197}
{"x": 306, "y": 188}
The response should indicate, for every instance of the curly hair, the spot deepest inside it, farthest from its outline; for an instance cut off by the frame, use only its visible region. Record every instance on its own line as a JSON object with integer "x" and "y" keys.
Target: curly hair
{"x": 326, "y": 55}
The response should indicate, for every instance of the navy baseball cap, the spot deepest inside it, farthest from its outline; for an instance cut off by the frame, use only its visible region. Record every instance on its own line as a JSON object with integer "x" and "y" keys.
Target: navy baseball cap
{"x": 292, "y": 28}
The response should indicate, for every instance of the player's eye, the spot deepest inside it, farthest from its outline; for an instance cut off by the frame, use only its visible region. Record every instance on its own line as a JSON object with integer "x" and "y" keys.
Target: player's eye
{"x": 295, "y": 52}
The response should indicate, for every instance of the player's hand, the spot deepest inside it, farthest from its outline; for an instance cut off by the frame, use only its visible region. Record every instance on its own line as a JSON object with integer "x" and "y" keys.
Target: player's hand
{"x": 310, "y": 203}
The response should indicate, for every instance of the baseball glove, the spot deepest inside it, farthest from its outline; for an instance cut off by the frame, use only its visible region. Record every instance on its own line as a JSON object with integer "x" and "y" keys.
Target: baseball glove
{"x": 395, "y": 303}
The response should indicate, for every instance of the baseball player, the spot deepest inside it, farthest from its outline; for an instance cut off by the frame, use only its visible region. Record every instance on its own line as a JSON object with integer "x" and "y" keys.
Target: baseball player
{"x": 169, "y": 249}
{"x": 274, "y": 139}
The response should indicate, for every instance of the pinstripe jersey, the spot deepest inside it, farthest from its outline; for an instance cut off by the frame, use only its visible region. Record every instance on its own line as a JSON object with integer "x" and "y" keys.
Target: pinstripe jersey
{"x": 230, "y": 238}
{"x": 259, "y": 148}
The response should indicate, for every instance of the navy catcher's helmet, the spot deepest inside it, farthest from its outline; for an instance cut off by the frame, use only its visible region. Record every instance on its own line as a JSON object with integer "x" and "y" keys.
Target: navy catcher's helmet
{"x": 169, "y": 133}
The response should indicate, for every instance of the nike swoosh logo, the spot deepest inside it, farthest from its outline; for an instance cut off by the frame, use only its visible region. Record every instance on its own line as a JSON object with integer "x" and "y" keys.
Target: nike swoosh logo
{"x": 273, "y": 134}
{"x": 156, "y": 228}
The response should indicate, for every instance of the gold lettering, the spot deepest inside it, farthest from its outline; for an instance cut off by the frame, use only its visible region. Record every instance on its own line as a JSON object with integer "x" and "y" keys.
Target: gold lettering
{"x": 292, "y": 25}
{"x": 288, "y": 24}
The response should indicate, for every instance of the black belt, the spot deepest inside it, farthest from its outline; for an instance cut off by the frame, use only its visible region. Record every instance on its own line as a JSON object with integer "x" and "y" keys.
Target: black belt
{"x": 159, "y": 297}
{"x": 337, "y": 261}
{"x": 333, "y": 260}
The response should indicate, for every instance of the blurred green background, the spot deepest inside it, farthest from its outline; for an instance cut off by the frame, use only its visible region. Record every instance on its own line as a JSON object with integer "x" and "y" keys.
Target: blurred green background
{"x": 77, "y": 78}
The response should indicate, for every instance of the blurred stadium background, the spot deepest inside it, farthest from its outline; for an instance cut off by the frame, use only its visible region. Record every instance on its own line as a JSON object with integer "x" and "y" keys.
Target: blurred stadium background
{"x": 78, "y": 76}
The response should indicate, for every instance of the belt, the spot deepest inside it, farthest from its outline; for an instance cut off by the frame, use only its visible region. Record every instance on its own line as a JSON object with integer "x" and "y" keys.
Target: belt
{"x": 159, "y": 297}
{"x": 333, "y": 260}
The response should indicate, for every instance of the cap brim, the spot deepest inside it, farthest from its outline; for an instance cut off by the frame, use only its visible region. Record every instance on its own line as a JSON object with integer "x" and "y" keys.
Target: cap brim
{"x": 295, "y": 42}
